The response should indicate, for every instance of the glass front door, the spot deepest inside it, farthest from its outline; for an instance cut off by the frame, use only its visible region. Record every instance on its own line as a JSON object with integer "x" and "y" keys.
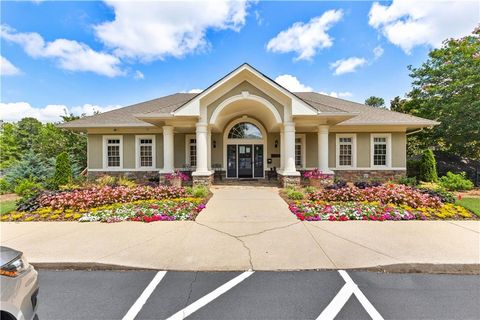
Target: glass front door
{"x": 245, "y": 161}
{"x": 258, "y": 161}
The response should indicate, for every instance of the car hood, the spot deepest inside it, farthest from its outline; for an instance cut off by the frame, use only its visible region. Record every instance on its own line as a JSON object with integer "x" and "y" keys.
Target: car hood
{"x": 8, "y": 254}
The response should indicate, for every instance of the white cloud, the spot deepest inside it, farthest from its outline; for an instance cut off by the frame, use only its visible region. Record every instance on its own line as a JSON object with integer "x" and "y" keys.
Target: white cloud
{"x": 194, "y": 91}
{"x": 153, "y": 30}
{"x": 306, "y": 39}
{"x": 138, "y": 75}
{"x": 347, "y": 65}
{"x": 378, "y": 52}
{"x": 15, "y": 111}
{"x": 411, "y": 23}
{"x": 335, "y": 94}
{"x": 7, "y": 68}
{"x": 291, "y": 83}
{"x": 69, "y": 54}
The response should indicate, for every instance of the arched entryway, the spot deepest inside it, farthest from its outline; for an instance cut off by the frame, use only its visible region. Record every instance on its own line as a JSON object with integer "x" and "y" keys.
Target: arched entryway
{"x": 244, "y": 148}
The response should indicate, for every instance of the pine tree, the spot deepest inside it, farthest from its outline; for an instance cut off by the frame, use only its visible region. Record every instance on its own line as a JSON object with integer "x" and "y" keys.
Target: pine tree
{"x": 63, "y": 170}
{"x": 428, "y": 167}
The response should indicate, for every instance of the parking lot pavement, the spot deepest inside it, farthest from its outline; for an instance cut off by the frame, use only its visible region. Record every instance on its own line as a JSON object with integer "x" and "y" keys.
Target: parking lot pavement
{"x": 256, "y": 295}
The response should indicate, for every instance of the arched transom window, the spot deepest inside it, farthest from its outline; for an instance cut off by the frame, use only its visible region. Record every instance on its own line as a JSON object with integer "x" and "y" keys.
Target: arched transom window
{"x": 245, "y": 130}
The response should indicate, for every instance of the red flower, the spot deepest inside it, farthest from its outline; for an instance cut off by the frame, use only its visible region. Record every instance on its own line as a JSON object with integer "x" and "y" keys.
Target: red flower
{"x": 300, "y": 216}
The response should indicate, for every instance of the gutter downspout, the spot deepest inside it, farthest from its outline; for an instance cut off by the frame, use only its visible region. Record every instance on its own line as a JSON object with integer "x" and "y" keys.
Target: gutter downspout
{"x": 414, "y": 131}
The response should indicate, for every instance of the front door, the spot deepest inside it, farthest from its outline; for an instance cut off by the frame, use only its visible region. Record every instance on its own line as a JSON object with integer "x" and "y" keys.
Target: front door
{"x": 245, "y": 161}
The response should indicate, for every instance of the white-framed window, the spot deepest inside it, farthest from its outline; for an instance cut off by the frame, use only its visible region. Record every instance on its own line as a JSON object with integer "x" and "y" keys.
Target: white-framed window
{"x": 191, "y": 150}
{"x": 300, "y": 151}
{"x": 113, "y": 152}
{"x": 145, "y": 151}
{"x": 381, "y": 150}
{"x": 346, "y": 150}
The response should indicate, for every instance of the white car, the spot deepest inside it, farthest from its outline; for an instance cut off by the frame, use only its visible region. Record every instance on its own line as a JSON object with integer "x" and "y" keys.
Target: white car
{"x": 19, "y": 286}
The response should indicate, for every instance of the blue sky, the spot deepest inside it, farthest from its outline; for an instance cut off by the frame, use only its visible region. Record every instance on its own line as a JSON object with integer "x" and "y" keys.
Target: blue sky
{"x": 116, "y": 54}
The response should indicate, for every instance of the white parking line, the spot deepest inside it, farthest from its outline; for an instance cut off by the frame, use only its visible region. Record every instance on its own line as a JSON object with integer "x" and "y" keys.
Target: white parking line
{"x": 349, "y": 288}
{"x": 185, "y": 312}
{"x": 137, "y": 306}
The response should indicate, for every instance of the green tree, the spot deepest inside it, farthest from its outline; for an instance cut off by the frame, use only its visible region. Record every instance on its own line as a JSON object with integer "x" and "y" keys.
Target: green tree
{"x": 375, "y": 102}
{"x": 26, "y": 133}
{"x": 428, "y": 167}
{"x": 30, "y": 167}
{"x": 9, "y": 148}
{"x": 446, "y": 88}
{"x": 63, "y": 170}
{"x": 398, "y": 104}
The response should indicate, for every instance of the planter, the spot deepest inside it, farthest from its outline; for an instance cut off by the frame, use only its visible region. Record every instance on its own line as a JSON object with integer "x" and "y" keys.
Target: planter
{"x": 176, "y": 182}
{"x": 320, "y": 182}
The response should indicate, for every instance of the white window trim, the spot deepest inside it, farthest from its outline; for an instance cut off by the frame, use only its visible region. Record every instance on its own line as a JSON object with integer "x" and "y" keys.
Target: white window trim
{"x": 302, "y": 136}
{"x": 137, "y": 151}
{"x": 105, "y": 159}
{"x": 354, "y": 150}
{"x": 389, "y": 149}
{"x": 187, "y": 148}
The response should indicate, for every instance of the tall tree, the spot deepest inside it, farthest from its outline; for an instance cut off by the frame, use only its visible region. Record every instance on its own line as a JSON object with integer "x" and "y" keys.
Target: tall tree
{"x": 375, "y": 102}
{"x": 446, "y": 88}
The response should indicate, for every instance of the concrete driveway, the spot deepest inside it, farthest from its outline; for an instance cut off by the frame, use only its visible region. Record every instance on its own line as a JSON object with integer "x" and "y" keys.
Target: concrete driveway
{"x": 248, "y": 228}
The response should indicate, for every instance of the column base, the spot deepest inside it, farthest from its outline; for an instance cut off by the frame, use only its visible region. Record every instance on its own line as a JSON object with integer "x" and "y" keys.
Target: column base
{"x": 202, "y": 179}
{"x": 287, "y": 180}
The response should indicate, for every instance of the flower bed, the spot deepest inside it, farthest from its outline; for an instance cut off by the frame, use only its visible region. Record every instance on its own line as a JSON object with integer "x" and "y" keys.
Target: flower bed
{"x": 112, "y": 204}
{"x": 95, "y": 197}
{"x": 141, "y": 210}
{"x": 378, "y": 203}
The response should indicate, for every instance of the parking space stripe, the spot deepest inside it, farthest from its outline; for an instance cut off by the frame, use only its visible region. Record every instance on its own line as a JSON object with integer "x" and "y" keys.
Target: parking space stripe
{"x": 137, "y": 306}
{"x": 361, "y": 297}
{"x": 350, "y": 287}
{"x": 185, "y": 312}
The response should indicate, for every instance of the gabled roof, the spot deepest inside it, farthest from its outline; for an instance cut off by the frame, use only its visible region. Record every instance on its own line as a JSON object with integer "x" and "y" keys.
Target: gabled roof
{"x": 316, "y": 103}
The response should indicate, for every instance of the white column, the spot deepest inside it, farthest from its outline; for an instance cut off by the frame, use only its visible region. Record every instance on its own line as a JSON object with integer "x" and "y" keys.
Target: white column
{"x": 289, "y": 163}
{"x": 209, "y": 149}
{"x": 202, "y": 150}
{"x": 282, "y": 150}
{"x": 323, "y": 148}
{"x": 168, "y": 149}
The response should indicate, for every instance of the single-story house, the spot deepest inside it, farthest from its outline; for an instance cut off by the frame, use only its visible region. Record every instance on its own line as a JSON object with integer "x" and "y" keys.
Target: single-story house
{"x": 244, "y": 125}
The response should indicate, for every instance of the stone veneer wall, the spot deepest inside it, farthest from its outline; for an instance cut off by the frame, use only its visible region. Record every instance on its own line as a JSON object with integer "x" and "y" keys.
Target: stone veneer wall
{"x": 286, "y": 181}
{"x": 139, "y": 176}
{"x": 362, "y": 175}
{"x": 202, "y": 180}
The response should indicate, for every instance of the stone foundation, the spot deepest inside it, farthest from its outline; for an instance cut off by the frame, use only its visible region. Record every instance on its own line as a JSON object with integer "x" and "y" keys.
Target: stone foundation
{"x": 366, "y": 175}
{"x": 286, "y": 181}
{"x": 138, "y": 176}
{"x": 202, "y": 180}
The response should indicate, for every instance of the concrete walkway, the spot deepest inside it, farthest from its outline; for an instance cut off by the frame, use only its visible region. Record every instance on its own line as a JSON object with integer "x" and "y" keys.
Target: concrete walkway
{"x": 247, "y": 228}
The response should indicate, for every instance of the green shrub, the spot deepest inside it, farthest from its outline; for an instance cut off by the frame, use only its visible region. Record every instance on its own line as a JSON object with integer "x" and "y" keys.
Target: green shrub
{"x": 408, "y": 181}
{"x": 4, "y": 186}
{"x": 309, "y": 189}
{"x": 31, "y": 166}
{"x": 198, "y": 191}
{"x": 123, "y": 181}
{"x": 294, "y": 194}
{"x": 27, "y": 188}
{"x": 63, "y": 171}
{"x": 455, "y": 182}
{"x": 428, "y": 167}
{"x": 106, "y": 180}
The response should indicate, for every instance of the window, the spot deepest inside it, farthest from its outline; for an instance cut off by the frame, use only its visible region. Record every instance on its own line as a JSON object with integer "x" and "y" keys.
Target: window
{"x": 346, "y": 146}
{"x": 380, "y": 150}
{"x": 191, "y": 152}
{"x": 300, "y": 150}
{"x": 245, "y": 130}
{"x": 112, "y": 151}
{"x": 145, "y": 151}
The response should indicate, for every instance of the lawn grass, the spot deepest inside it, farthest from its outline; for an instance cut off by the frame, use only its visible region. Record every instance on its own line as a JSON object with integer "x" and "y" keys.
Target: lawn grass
{"x": 472, "y": 204}
{"x": 7, "y": 206}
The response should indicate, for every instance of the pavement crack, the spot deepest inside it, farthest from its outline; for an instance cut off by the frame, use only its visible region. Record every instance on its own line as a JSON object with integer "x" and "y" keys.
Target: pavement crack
{"x": 354, "y": 242}
{"x": 187, "y": 302}
{"x": 460, "y": 226}
{"x": 234, "y": 237}
{"x": 318, "y": 244}
{"x": 268, "y": 230}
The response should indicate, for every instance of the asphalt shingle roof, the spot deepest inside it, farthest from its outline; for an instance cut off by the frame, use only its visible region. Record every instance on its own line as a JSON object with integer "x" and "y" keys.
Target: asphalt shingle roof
{"x": 366, "y": 115}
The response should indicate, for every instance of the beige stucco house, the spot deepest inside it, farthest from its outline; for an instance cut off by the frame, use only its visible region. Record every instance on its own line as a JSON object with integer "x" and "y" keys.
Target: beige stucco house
{"x": 244, "y": 125}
